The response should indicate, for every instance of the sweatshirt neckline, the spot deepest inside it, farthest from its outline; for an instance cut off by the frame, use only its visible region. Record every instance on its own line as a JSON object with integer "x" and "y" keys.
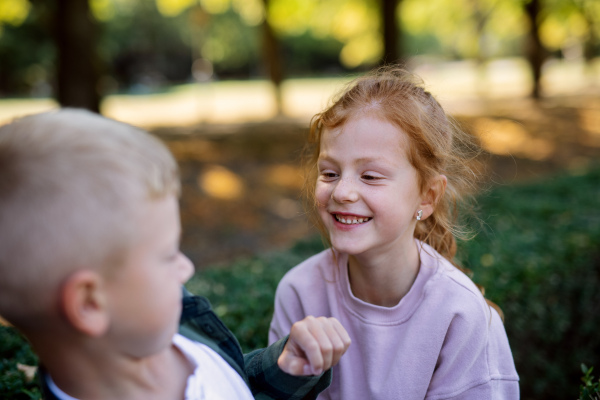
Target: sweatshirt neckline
{"x": 401, "y": 312}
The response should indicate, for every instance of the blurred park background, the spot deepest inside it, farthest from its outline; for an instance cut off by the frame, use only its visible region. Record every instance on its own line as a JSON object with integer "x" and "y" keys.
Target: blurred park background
{"x": 231, "y": 85}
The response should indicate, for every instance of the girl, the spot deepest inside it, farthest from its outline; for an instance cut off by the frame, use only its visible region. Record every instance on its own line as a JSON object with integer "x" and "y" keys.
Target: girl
{"x": 387, "y": 173}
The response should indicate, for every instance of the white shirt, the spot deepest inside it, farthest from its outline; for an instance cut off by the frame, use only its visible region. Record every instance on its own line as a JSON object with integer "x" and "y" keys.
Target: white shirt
{"x": 213, "y": 378}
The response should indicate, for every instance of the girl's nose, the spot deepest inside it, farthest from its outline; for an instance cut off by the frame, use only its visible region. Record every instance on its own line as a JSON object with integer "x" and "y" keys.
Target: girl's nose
{"x": 345, "y": 191}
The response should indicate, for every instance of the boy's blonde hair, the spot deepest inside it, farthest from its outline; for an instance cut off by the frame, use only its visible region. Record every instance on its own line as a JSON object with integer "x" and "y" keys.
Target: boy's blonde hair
{"x": 436, "y": 145}
{"x": 71, "y": 182}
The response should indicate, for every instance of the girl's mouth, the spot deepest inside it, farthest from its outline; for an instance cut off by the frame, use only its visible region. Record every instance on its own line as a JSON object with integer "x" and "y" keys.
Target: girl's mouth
{"x": 351, "y": 219}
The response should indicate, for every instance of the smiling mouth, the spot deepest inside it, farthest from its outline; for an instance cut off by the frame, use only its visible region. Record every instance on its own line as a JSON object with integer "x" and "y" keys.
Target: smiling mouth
{"x": 351, "y": 220}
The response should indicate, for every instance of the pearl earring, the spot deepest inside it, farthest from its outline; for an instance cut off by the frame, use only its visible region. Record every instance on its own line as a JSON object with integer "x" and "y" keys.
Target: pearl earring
{"x": 419, "y": 215}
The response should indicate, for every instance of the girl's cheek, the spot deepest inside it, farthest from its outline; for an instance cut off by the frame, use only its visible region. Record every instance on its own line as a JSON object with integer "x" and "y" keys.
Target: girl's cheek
{"x": 321, "y": 194}
{"x": 322, "y": 202}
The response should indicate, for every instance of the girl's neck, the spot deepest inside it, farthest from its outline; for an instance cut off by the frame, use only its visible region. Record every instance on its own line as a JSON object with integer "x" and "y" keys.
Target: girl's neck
{"x": 384, "y": 278}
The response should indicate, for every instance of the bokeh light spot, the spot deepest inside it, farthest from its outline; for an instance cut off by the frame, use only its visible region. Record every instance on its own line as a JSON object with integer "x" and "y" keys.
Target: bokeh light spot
{"x": 221, "y": 183}
{"x": 505, "y": 137}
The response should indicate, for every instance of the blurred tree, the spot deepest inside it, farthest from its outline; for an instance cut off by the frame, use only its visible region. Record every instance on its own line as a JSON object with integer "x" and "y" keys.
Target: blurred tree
{"x": 356, "y": 24}
{"x": 73, "y": 30}
{"x": 475, "y": 29}
{"x": 144, "y": 43}
{"x": 227, "y": 32}
{"x": 487, "y": 28}
{"x": 143, "y": 48}
{"x": 572, "y": 27}
{"x": 392, "y": 35}
{"x": 534, "y": 51}
{"x": 590, "y": 12}
{"x": 78, "y": 69}
{"x": 272, "y": 57}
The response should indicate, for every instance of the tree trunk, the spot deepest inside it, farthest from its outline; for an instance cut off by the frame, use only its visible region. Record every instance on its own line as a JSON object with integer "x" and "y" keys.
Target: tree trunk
{"x": 392, "y": 36}
{"x": 77, "y": 60}
{"x": 272, "y": 58}
{"x": 534, "y": 50}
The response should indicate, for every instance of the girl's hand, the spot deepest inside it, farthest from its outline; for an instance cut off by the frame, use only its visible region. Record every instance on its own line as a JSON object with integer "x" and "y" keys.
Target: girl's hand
{"x": 314, "y": 346}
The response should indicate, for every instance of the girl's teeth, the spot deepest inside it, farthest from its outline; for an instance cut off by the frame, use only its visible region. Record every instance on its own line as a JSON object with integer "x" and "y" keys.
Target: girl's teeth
{"x": 349, "y": 221}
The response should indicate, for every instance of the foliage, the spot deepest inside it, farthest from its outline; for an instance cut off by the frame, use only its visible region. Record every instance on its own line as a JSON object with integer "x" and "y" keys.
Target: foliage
{"x": 488, "y": 28}
{"x": 146, "y": 43}
{"x": 243, "y": 293}
{"x": 537, "y": 257}
{"x": 26, "y": 54}
{"x": 14, "y": 12}
{"x": 590, "y": 390}
{"x": 571, "y": 23}
{"x": 15, "y": 350}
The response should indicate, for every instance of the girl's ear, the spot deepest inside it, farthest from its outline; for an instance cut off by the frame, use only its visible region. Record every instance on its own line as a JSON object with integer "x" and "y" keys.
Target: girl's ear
{"x": 432, "y": 195}
{"x": 82, "y": 300}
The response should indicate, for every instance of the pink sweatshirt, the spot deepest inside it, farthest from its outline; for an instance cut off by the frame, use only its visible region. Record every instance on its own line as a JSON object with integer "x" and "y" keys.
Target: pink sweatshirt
{"x": 442, "y": 341}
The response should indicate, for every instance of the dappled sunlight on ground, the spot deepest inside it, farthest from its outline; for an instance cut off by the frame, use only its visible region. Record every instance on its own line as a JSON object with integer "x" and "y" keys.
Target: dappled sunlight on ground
{"x": 218, "y": 182}
{"x": 589, "y": 118}
{"x": 284, "y": 175}
{"x": 506, "y": 137}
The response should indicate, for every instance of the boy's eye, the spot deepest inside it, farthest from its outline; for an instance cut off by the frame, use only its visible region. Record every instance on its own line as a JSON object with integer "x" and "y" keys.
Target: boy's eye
{"x": 173, "y": 255}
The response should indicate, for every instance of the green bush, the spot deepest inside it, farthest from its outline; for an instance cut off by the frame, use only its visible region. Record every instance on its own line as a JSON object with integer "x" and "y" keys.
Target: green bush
{"x": 537, "y": 256}
{"x": 243, "y": 293}
{"x": 539, "y": 260}
{"x": 590, "y": 390}
{"x": 15, "y": 350}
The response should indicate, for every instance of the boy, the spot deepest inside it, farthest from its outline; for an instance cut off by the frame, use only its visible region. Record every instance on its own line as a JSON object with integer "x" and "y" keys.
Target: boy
{"x": 92, "y": 275}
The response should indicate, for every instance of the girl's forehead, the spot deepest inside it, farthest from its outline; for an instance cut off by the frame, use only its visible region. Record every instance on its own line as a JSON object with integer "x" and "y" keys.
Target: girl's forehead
{"x": 367, "y": 132}
{"x": 365, "y": 140}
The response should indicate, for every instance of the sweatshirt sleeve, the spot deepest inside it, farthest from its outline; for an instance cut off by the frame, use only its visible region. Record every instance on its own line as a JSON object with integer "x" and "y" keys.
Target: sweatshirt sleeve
{"x": 268, "y": 381}
{"x": 475, "y": 362}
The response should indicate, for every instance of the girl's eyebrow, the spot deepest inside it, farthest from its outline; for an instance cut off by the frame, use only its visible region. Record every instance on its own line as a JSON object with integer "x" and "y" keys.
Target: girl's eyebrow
{"x": 380, "y": 164}
{"x": 366, "y": 160}
{"x": 325, "y": 158}
{"x": 377, "y": 162}
{"x": 361, "y": 160}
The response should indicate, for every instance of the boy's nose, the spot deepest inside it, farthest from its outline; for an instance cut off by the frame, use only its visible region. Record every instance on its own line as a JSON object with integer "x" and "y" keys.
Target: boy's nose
{"x": 186, "y": 269}
{"x": 345, "y": 191}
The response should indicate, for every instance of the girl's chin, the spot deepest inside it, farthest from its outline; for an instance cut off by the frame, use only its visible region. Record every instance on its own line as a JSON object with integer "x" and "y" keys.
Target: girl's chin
{"x": 347, "y": 248}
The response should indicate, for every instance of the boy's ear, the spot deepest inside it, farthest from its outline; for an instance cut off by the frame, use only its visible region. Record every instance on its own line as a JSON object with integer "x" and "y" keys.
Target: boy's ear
{"x": 83, "y": 304}
{"x": 432, "y": 195}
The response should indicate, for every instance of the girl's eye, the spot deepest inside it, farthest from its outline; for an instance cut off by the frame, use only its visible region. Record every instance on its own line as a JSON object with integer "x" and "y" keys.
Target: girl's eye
{"x": 329, "y": 174}
{"x": 370, "y": 177}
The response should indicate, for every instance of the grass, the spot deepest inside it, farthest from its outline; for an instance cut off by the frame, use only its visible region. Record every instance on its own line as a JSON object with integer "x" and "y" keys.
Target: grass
{"x": 537, "y": 256}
